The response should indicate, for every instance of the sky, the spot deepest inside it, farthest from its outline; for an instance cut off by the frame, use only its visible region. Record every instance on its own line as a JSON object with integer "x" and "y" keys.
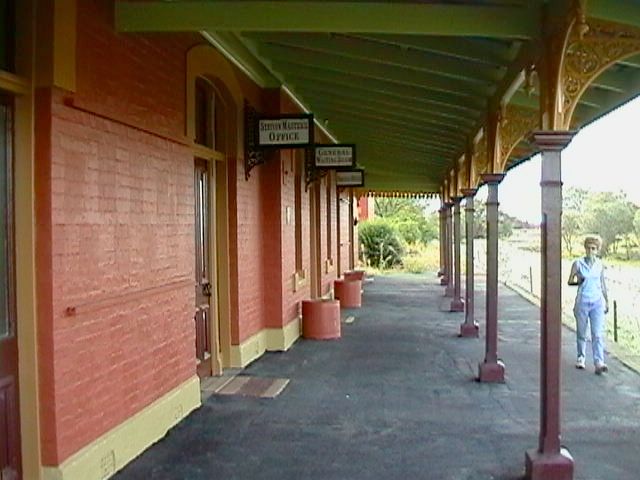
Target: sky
{"x": 603, "y": 156}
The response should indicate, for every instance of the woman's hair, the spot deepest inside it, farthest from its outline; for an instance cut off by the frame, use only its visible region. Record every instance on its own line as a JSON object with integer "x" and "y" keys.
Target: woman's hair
{"x": 591, "y": 240}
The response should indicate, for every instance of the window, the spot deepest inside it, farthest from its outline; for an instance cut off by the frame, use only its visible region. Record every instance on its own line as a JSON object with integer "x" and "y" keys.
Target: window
{"x": 6, "y": 244}
{"x": 7, "y": 35}
{"x": 206, "y": 119}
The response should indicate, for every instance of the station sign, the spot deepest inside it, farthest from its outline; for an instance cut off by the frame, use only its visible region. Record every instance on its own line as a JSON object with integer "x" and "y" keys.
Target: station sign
{"x": 335, "y": 156}
{"x": 286, "y": 131}
{"x": 350, "y": 178}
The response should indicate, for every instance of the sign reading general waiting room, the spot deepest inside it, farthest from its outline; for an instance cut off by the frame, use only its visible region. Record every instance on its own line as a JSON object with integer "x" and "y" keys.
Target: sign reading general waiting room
{"x": 287, "y": 131}
{"x": 350, "y": 178}
{"x": 335, "y": 156}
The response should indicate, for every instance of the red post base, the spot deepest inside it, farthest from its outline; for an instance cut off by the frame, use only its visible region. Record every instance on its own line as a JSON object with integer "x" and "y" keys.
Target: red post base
{"x": 469, "y": 330}
{"x": 545, "y": 466}
{"x": 457, "y": 305}
{"x": 321, "y": 319}
{"x": 354, "y": 275}
{"x": 491, "y": 372}
{"x": 349, "y": 292}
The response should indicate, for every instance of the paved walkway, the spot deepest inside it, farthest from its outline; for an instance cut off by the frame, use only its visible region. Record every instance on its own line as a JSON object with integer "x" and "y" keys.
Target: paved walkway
{"x": 395, "y": 398}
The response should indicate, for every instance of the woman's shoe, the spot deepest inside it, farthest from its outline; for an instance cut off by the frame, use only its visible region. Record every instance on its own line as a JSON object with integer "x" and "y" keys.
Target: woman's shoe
{"x": 601, "y": 368}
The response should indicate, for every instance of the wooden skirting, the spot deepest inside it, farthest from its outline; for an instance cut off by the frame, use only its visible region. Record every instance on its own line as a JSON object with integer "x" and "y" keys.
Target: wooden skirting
{"x": 268, "y": 339}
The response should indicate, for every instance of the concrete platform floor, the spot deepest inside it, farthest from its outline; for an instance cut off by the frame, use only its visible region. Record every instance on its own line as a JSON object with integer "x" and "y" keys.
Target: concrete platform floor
{"x": 396, "y": 398}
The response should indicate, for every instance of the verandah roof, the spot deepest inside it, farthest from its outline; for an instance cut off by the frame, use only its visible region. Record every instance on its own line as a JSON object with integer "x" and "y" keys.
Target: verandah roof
{"x": 412, "y": 83}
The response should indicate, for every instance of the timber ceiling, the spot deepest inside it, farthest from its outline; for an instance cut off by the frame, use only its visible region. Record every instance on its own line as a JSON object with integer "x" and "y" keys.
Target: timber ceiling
{"x": 409, "y": 82}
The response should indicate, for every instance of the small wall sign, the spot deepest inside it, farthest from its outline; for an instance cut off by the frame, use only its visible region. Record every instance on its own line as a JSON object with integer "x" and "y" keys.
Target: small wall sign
{"x": 288, "y": 131}
{"x": 350, "y": 178}
{"x": 335, "y": 156}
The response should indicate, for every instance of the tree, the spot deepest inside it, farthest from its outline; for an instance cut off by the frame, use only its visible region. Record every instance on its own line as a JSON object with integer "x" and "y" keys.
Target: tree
{"x": 408, "y": 217}
{"x": 394, "y": 207}
{"x": 505, "y": 224}
{"x": 611, "y": 216}
{"x": 636, "y": 226}
{"x": 573, "y": 204}
{"x": 570, "y": 229}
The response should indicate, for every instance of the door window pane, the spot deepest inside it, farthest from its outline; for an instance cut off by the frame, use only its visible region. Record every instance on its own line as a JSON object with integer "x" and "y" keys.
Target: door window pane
{"x": 7, "y": 35}
{"x": 5, "y": 155}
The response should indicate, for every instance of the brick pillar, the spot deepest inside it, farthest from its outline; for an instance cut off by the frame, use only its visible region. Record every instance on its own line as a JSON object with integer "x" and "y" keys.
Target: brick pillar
{"x": 550, "y": 461}
{"x": 449, "y": 249}
{"x": 492, "y": 369}
{"x": 456, "y": 302}
{"x": 470, "y": 327}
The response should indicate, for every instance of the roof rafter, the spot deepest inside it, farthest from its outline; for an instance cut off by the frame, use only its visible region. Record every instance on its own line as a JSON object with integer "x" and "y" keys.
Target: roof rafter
{"x": 381, "y": 84}
{"x": 387, "y": 54}
{"x": 410, "y": 117}
{"x": 383, "y": 122}
{"x": 386, "y": 90}
{"x": 353, "y": 98}
{"x": 486, "y": 52}
{"x": 369, "y": 69}
{"x": 391, "y": 141}
{"x": 354, "y": 127}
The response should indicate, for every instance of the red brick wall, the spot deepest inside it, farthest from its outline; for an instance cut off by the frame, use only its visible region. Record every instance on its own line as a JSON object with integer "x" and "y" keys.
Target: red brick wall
{"x": 122, "y": 253}
{"x": 115, "y": 234}
{"x": 138, "y": 78}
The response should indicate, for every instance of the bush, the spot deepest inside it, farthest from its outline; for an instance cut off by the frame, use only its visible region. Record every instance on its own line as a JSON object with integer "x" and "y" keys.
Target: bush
{"x": 380, "y": 243}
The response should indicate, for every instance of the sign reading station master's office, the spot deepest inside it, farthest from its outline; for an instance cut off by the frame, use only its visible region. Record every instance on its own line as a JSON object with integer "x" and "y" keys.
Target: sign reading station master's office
{"x": 286, "y": 131}
{"x": 350, "y": 178}
{"x": 335, "y": 156}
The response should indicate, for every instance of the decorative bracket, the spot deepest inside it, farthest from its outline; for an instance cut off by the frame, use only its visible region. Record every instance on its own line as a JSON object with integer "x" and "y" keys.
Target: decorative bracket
{"x": 516, "y": 125}
{"x": 252, "y": 154}
{"x": 592, "y": 48}
{"x": 311, "y": 173}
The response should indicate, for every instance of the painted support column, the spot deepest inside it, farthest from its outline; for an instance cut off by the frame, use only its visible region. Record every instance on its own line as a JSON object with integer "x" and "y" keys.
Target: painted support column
{"x": 443, "y": 226}
{"x": 492, "y": 369}
{"x": 448, "y": 249}
{"x": 470, "y": 327}
{"x": 457, "y": 304}
{"x": 550, "y": 461}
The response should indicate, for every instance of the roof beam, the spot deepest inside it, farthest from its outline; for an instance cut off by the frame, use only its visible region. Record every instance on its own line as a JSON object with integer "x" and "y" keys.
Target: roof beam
{"x": 368, "y": 69}
{"x": 437, "y": 137}
{"x": 487, "y": 52}
{"x": 410, "y": 117}
{"x": 289, "y": 70}
{"x": 401, "y": 145}
{"x": 312, "y": 94}
{"x": 382, "y": 122}
{"x": 366, "y": 131}
{"x": 316, "y": 16}
{"x": 387, "y": 54}
{"x": 387, "y": 91}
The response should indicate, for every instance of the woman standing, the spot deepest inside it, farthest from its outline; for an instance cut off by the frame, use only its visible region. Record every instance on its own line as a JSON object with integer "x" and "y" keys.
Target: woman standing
{"x": 591, "y": 304}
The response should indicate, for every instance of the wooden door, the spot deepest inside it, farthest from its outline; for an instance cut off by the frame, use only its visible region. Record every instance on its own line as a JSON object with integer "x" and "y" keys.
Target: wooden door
{"x": 9, "y": 394}
{"x": 203, "y": 268}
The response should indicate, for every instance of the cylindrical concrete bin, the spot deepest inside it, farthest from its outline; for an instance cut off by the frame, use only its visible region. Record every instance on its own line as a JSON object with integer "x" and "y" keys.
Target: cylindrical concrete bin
{"x": 321, "y": 319}
{"x": 354, "y": 275}
{"x": 349, "y": 292}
